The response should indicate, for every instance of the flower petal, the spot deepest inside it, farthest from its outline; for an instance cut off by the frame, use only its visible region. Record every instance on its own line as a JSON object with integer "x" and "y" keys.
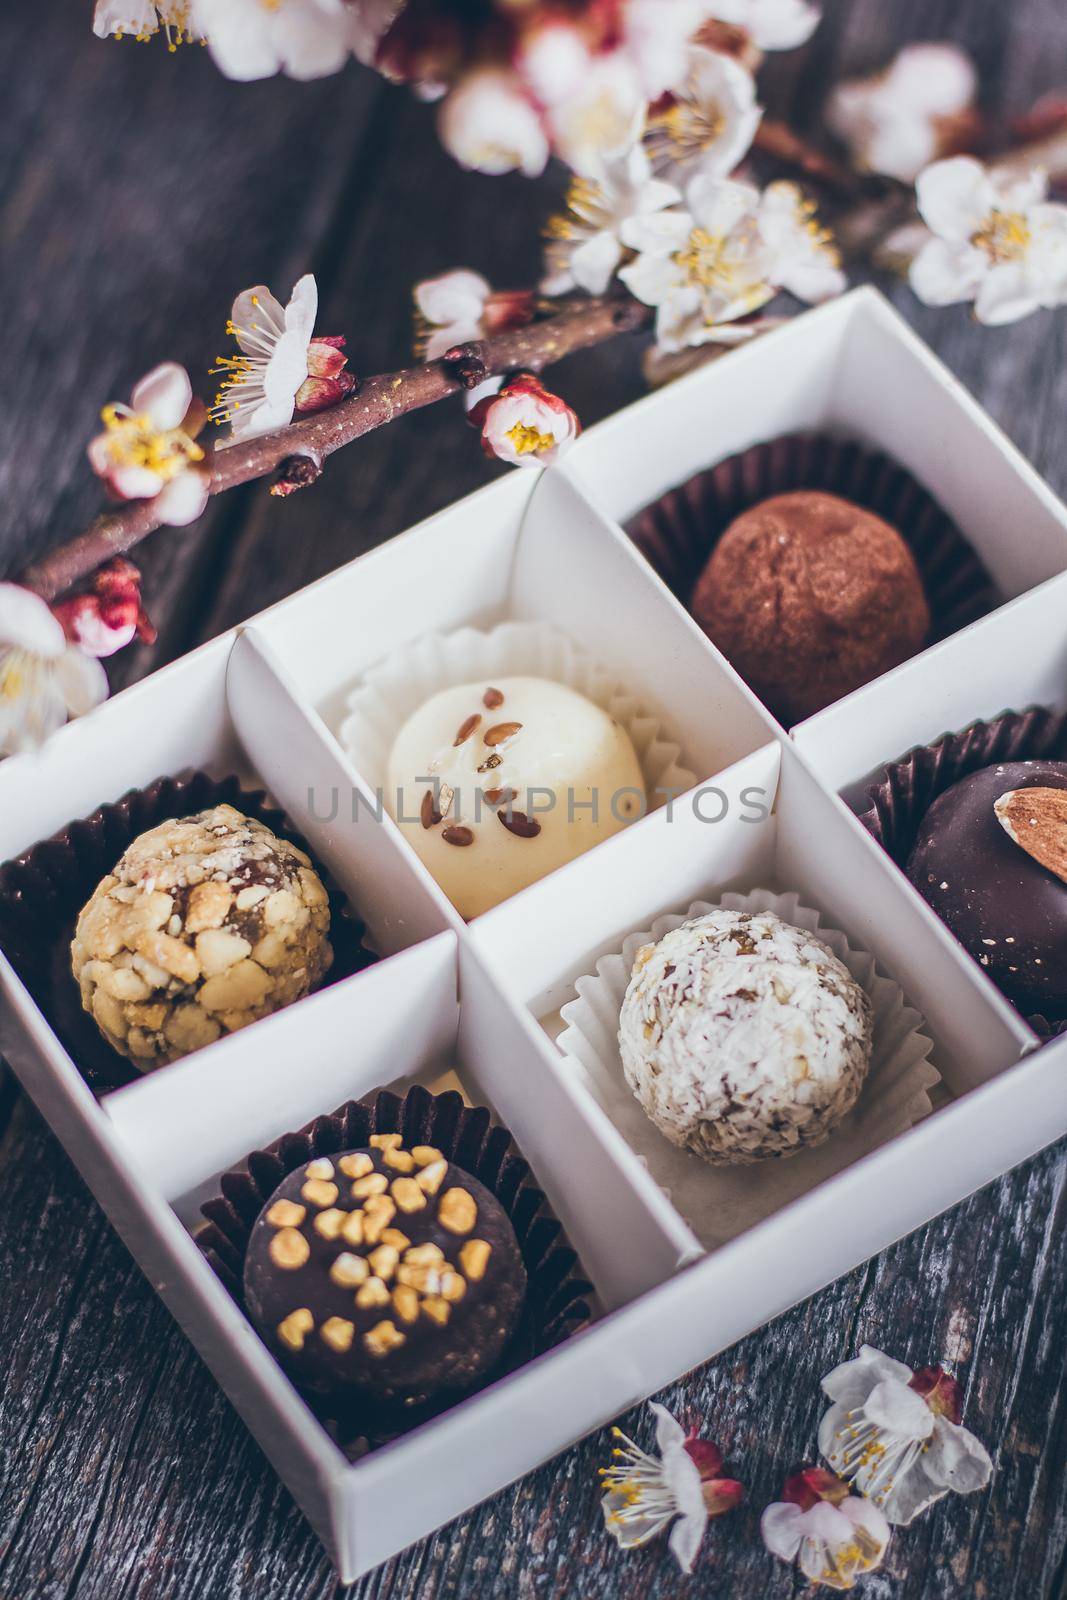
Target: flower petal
{"x": 898, "y": 1410}
{"x": 183, "y": 499}
{"x": 258, "y": 319}
{"x": 782, "y": 1528}
{"x": 82, "y": 681}
{"x": 651, "y": 278}
{"x": 656, "y": 233}
{"x": 944, "y": 274}
{"x": 164, "y": 395}
{"x": 685, "y": 1537}
{"x": 310, "y": 42}
{"x": 27, "y": 622}
{"x": 303, "y": 308}
{"x": 1007, "y": 294}
{"x": 242, "y": 44}
{"x": 458, "y": 296}
{"x": 955, "y": 197}
{"x": 852, "y": 1381}
{"x": 957, "y": 1459}
{"x": 718, "y": 204}
{"x": 593, "y": 262}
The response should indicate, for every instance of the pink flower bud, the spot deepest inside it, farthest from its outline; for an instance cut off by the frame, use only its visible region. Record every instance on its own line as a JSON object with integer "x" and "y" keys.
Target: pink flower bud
{"x": 507, "y": 308}
{"x": 316, "y": 394}
{"x": 525, "y": 424}
{"x": 325, "y": 358}
{"x": 111, "y": 615}
{"x": 722, "y": 1495}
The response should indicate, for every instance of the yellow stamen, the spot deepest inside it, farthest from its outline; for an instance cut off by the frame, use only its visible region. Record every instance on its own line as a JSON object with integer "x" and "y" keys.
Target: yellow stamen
{"x": 132, "y": 441}
{"x": 527, "y": 441}
{"x": 1004, "y": 236}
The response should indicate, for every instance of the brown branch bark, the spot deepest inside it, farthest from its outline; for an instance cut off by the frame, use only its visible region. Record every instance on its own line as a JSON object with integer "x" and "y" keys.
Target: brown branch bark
{"x": 377, "y": 401}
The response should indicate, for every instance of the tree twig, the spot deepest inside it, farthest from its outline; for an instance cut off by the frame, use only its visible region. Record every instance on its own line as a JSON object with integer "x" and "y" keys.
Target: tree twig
{"x": 377, "y": 401}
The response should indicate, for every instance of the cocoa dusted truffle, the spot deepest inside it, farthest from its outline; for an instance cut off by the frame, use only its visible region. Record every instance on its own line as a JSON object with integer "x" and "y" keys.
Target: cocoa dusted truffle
{"x": 207, "y": 923}
{"x": 743, "y": 1037}
{"x": 386, "y": 1269}
{"x": 810, "y": 596}
{"x": 988, "y": 857}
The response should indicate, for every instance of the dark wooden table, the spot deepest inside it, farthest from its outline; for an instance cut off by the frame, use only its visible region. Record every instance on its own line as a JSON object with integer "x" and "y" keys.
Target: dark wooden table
{"x": 140, "y": 191}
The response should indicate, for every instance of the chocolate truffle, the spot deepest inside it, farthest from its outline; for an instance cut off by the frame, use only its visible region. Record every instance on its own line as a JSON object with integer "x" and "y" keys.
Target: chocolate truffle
{"x": 810, "y": 596}
{"x": 387, "y": 1270}
{"x": 1007, "y": 909}
{"x": 496, "y": 785}
{"x": 743, "y": 1037}
{"x": 206, "y": 924}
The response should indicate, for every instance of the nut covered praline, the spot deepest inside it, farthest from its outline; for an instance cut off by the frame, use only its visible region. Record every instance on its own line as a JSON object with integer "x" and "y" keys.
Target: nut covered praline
{"x": 387, "y": 1270}
{"x": 207, "y": 923}
{"x": 743, "y": 1037}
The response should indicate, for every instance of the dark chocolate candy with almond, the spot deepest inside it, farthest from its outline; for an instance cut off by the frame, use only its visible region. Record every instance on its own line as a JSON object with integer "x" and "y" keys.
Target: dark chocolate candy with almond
{"x": 1002, "y": 898}
{"x": 384, "y": 1269}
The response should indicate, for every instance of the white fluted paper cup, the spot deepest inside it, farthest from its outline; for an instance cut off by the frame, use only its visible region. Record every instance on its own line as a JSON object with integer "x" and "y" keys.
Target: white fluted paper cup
{"x": 720, "y": 1202}
{"x": 394, "y": 688}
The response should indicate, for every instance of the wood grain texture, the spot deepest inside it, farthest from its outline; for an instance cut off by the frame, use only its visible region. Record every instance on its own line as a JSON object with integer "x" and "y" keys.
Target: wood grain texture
{"x": 139, "y": 192}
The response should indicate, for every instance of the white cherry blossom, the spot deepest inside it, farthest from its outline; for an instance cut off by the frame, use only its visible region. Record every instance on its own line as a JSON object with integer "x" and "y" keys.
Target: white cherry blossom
{"x": 44, "y": 680}
{"x": 461, "y": 306}
{"x": 148, "y": 449}
{"x": 526, "y": 424}
{"x": 258, "y": 38}
{"x": 896, "y": 121}
{"x": 644, "y": 1494}
{"x": 142, "y": 19}
{"x": 770, "y": 24}
{"x": 997, "y": 241}
{"x": 259, "y": 387}
{"x": 805, "y": 260}
{"x": 603, "y": 114}
{"x": 488, "y": 124}
{"x": 833, "y": 1536}
{"x": 711, "y": 121}
{"x": 895, "y": 1435}
{"x": 585, "y": 242}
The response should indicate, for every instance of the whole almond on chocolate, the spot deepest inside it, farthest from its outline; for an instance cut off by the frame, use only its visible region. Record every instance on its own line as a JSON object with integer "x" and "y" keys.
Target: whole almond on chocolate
{"x": 1037, "y": 821}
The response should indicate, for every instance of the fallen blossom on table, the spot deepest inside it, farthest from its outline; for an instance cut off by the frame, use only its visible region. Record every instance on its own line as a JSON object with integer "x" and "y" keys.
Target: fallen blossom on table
{"x": 143, "y": 19}
{"x": 148, "y": 449}
{"x": 302, "y": 38}
{"x": 710, "y": 121}
{"x": 44, "y": 679}
{"x": 770, "y": 24}
{"x": 683, "y": 1485}
{"x": 895, "y": 1434}
{"x": 898, "y": 121}
{"x": 996, "y": 241}
{"x": 110, "y": 616}
{"x": 585, "y": 240}
{"x": 832, "y": 1535}
{"x": 282, "y": 367}
{"x": 525, "y": 424}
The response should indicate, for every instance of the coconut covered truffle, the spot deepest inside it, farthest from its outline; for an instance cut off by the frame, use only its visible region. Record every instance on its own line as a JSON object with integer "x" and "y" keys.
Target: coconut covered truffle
{"x": 496, "y": 785}
{"x": 743, "y": 1037}
{"x": 206, "y": 924}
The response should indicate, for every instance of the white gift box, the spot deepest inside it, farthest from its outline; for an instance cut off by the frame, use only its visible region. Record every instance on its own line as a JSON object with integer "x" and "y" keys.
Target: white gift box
{"x": 266, "y": 701}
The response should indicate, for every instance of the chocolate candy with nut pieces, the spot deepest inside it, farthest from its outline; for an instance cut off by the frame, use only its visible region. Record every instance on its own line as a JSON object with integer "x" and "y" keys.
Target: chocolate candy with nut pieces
{"x": 207, "y": 923}
{"x": 1006, "y": 907}
{"x": 388, "y": 1270}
